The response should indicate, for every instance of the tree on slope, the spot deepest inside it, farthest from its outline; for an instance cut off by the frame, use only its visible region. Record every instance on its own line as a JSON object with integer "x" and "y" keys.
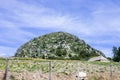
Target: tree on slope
{"x": 116, "y": 52}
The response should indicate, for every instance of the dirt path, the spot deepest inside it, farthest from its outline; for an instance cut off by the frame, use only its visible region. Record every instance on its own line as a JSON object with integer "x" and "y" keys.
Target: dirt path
{"x": 1, "y": 75}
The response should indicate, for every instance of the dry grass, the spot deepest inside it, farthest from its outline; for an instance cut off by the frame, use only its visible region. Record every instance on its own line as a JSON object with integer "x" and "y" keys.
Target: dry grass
{"x": 61, "y": 70}
{"x": 61, "y": 76}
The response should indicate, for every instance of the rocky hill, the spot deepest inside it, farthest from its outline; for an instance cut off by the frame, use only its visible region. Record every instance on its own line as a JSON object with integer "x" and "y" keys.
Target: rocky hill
{"x": 57, "y": 45}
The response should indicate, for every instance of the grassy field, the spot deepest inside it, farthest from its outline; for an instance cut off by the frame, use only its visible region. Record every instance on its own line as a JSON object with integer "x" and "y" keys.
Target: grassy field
{"x": 39, "y": 69}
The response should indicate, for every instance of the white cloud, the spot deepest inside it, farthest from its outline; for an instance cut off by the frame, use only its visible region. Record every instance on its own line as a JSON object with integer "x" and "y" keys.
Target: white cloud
{"x": 108, "y": 51}
{"x": 106, "y": 17}
{"x": 15, "y": 34}
{"x": 102, "y": 22}
{"x": 7, "y": 51}
{"x": 41, "y": 17}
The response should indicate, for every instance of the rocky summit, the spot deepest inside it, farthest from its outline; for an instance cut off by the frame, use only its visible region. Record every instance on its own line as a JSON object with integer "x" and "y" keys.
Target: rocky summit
{"x": 57, "y": 45}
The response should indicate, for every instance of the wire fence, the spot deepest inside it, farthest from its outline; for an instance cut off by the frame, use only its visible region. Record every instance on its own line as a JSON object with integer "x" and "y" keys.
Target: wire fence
{"x": 57, "y": 70}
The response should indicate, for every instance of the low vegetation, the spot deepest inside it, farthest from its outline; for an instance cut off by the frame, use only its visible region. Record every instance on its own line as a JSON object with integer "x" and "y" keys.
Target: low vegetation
{"x": 39, "y": 67}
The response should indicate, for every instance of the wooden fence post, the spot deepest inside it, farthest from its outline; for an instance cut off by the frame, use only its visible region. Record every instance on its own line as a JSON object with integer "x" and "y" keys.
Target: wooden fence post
{"x": 78, "y": 70}
{"x": 111, "y": 71}
{"x": 6, "y": 75}
{"x": 50, "y": 68}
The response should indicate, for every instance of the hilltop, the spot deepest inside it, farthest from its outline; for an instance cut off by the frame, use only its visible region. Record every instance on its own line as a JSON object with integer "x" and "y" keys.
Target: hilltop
{"x": 57, "y": 45}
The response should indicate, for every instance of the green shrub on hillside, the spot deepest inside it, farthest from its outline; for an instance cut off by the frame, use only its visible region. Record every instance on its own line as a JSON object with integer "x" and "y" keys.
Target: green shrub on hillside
{"x": 57, "y": 45}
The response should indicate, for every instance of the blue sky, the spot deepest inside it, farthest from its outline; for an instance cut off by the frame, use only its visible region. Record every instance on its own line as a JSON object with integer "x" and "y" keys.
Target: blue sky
{"x": 95, "y": 21}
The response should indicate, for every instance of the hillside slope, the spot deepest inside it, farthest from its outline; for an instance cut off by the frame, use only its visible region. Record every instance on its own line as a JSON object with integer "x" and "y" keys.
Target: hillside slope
{"x": 57, "y": 45}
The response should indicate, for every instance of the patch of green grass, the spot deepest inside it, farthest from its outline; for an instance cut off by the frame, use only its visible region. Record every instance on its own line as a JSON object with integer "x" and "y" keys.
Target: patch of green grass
{"x": 58, "y": 66}
{"x": 100, "y": 63}
{"x": 2, "y": 64}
